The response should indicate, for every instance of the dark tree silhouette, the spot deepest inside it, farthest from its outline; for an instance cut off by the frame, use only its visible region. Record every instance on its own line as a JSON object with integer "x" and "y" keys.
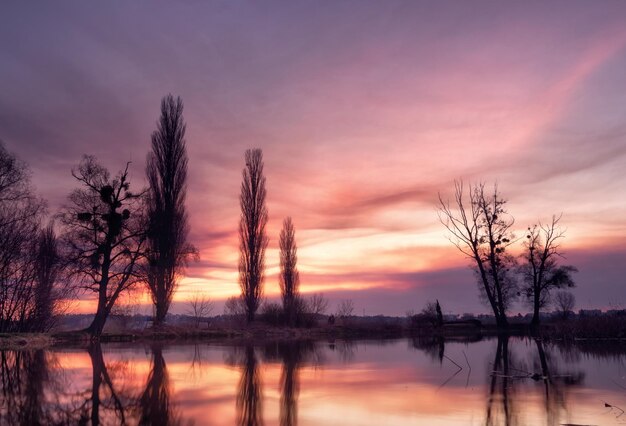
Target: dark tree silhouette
{"x": 166, "y": 169}
{"x": 482, "y": 231}
{"x": 439, "y": 314}
{"x": 20, "y": 216}
{"x": 47, "y": 268}
{"x": 252, "y": 237}
{"x": 540, "y": 270}
{"x": 565, "y": 302}
{"x": 104, "y": 238}
{"x": 289, "y": 278}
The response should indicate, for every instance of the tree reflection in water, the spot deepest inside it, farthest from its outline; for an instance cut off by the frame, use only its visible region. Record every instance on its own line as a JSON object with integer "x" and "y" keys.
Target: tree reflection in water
{"x": 507, "y": 377}
{"x": 293, "y": 356}
{"x": 250, "y": 393}
{"x": 525, "y": 383}
{"x": 23, "y": 377}
{"x": 499, "y": 401}
{"x": 36, "y": 391}
{"x": 104, "y": 395}
{"x": 156, "y": 404}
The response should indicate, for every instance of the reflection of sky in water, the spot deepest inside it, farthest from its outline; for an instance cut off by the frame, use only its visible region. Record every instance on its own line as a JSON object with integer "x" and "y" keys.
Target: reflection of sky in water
{"x": 322, "y": 383}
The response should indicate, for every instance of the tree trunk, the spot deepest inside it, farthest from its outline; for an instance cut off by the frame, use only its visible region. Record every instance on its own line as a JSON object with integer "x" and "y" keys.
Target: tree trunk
{"x": 501, "y": 321}
{"x": 160, "y": 312}
{"x": 535, "y": 321}
{"x": 97, "y": 325}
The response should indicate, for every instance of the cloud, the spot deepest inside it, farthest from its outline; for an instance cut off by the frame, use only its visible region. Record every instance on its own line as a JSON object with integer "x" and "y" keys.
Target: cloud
{"x": 364, "y": 111}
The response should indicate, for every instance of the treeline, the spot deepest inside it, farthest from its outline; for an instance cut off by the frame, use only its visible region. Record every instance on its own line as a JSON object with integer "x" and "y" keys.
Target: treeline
{"x": 109, "y": 239}
{"x": 29, "y": 259}
{"x": 113, "y": 238}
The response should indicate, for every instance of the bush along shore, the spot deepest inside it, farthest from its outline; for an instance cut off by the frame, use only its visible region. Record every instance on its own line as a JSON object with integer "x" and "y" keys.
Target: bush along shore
{"x": 224, "y": 328}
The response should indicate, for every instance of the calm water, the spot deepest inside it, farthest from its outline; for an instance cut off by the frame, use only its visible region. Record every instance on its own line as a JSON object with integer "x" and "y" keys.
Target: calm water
{"x": 490, "y": 382}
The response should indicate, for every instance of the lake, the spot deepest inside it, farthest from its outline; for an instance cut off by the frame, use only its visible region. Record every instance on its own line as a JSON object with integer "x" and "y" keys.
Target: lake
{"x": 506, "y": 381}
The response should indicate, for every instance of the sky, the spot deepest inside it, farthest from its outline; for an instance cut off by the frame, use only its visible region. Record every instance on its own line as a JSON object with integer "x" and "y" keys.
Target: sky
{"x": 365, "y": 111}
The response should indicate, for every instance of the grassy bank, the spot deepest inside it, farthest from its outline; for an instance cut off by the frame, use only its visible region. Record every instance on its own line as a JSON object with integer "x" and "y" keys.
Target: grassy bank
{"x": 563, "y": 330}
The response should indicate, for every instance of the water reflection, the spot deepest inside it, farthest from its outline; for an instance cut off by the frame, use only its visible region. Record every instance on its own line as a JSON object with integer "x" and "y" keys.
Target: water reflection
{"x": 107, "y": 400}
{"x": 512, "y": 381}
{"x": 509, "y": 375}
{"x": 23, "y": 377}
{"x": 156, "y": 404}
{"x": 499, "y": 401}
{"x": 293, "y": 356}
{"x": 250, "y": 392}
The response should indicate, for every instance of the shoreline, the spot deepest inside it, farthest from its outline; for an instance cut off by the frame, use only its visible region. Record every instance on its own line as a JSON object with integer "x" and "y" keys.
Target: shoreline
{"x": 261, "y": 333}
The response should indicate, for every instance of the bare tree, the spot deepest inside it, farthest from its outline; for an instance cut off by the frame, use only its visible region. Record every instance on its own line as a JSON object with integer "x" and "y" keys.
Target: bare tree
{"x": 200, "y": 307}
{"x": 317, "y": 304}
{"x": 565, "y": 302}
{"x": 480, "y": 227}
{"x": 104, "y": 238}
{"x": 20, "y": 216}
{"x": 540, "y": 270}
{"x": 252, "y": 237}
{"x": 235, "y": 306}
{"x": 345, "y": 308}
{"x": 166, "y": 169}
{"x": 431, "y": 314}
{"x": 289, "y": 278}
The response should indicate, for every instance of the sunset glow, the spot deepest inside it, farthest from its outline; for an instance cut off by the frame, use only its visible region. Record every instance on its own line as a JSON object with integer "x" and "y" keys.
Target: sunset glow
{"x": 365, "y": 112}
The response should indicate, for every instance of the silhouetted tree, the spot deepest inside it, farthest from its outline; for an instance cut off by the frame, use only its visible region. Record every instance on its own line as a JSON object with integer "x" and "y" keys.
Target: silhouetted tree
{"x": 289, "y": 278}
{"x": 166, "y": 169}
{"x": 235, "y": 306}
{"x": 431, "y": 315}
{"x": 345, "y": 308}
{"x": 47, "y": 268}
{"x": 540, "y": 270}
{"x": 200, "y": 307}
{"x": 565, "y": 302}
{"x": 104, "y": 238}
{"x": 317, "y": 304}
{"x": 252, "y": 238}
{"x": 20, "y": 216}
{"x": 482, "y": 231}
{"x": 439, "y": 314}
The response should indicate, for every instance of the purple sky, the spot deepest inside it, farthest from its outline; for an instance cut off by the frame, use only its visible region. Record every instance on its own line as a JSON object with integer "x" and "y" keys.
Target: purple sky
{"x": 364, "y": 111}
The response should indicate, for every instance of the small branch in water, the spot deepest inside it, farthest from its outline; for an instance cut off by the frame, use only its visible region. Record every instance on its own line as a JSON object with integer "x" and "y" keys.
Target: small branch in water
{"x": 611, "y": 406}
{"x": 469, "y": 371}
{"x": 454, "y": 374}
{"x": 452, "y": 361}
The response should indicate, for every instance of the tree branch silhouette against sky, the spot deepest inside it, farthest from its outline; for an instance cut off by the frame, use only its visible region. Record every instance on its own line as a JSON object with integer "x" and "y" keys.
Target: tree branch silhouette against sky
{"x": 364, "y": 112}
